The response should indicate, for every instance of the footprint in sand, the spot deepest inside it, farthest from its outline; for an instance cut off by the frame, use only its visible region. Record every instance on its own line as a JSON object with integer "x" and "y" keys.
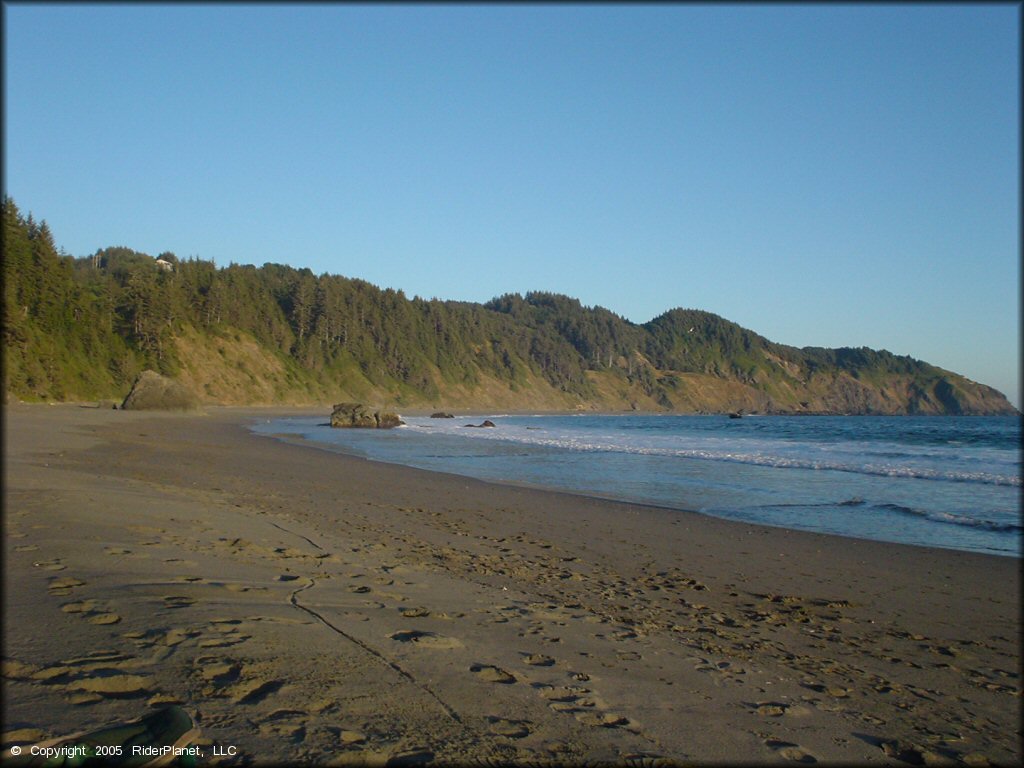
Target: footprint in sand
{"x": 52, "y": 675}
{"x": 769, "y": 708}
{"x": 145, "y": 639}
{"x": 81, "y": 699}
{"x": 225, "y": 640}
{"x": 177, "y": 636}
{"x": 510, "y": 729}
{"x": 538, "y": 660}
{"x": 588, "y": 708}
{"x": 113, "y": 684}
{"x": 835, "y": 691}
{"x": 601, "y": 719}
{"x": 162, "y": 699}
{"x": 565, "y": 698}
{"x": 103, "y": 618}
{"x": 349, "y": 737}
{"x": 12, "y": 669}
{"x": 178, "y": 601}
{"x": 254, "y": 691}
{"x": 792, "y": 752}
{"x": 83, "y": 606}
{"x": 426, "y": 639}
{"x": 106, "y": 656}
{"x": 64, "y": 585}
{"x": 492, "y": 674}
{"x": 50, "y": 565}
{"x": 218, "y": 672}
{"x": 415, "y": 613}
{"x": 284, "y": 731}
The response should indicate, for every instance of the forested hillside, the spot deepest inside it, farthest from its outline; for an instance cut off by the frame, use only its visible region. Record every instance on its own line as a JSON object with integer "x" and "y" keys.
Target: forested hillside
{"x": 84, "y": 328}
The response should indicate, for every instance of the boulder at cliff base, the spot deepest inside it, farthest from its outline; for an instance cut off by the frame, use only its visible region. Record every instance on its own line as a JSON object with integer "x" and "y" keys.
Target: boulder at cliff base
{"x": 153, "y": 392}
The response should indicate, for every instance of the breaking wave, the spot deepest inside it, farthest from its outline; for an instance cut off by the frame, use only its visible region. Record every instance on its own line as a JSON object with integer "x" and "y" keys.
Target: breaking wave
{"x": 863, "y": 463}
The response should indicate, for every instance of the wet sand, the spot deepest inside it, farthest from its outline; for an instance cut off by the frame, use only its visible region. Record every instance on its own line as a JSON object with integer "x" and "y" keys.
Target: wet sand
{"x": 311, "y": 607}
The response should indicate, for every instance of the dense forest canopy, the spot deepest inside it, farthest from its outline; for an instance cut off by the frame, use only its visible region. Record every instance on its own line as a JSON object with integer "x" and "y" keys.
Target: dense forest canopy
{"x": 81, "y": 328}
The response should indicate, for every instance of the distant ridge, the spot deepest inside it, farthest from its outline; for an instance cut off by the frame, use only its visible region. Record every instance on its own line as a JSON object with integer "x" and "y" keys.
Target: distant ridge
{"x": 81, "y": 329}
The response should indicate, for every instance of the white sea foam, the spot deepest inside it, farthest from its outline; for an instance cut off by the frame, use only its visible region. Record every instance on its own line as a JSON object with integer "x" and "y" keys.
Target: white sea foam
{"x": 924, "y": 463}
{"x": 938, "y": 482}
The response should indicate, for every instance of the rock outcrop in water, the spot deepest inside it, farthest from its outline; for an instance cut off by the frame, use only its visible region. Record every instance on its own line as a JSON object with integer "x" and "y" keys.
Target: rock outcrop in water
{"x": 359, "y": 416}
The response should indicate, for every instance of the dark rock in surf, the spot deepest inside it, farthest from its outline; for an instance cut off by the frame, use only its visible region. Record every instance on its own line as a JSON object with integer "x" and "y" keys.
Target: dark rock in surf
{"x": 359, "y": 416}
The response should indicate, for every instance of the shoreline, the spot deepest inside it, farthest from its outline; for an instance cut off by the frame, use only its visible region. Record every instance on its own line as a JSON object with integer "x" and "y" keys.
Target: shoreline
{"x": 587, "y": 494}
{"x": 339, "y": 450}
{"x": 301, "y": 442}
{"x": 283, "y": 593}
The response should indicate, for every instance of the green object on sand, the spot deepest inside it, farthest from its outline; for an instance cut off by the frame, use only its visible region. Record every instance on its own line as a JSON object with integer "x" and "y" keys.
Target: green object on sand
{"x": 159, "y": 738}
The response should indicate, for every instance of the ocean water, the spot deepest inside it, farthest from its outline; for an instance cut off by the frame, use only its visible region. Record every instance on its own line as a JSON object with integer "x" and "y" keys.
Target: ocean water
{"x": 951, "y": 482}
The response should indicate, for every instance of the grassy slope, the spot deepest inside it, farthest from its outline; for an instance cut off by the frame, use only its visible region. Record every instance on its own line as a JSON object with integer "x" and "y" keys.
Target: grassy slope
{"x": 232, "y": 368}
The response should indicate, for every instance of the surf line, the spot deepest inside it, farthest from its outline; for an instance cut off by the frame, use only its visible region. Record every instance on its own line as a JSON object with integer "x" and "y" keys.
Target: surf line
{"x": 294, "y": 600}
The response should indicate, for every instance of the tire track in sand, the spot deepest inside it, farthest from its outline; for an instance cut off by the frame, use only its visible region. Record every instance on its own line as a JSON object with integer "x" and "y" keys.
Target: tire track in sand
{"x": 311, "y": 582}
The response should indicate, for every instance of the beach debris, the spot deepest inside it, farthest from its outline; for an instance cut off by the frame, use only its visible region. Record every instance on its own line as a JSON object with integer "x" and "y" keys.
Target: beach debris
{"x": 357, "y": 415}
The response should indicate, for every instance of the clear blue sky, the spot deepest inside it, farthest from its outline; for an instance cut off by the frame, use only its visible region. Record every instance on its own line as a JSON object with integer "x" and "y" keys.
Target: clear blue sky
{"x": 827, "y": 175}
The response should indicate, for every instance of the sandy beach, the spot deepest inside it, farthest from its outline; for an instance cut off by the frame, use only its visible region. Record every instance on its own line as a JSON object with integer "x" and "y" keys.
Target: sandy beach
{"x": 310, "y": 607}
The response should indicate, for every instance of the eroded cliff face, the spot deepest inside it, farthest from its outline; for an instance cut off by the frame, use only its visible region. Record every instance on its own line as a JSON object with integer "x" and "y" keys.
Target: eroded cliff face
{"x": 243, "y": 372}
{"x": 948, "y": 395}
{"x": 820, "y": 393}
{"x": 237, "y": 369}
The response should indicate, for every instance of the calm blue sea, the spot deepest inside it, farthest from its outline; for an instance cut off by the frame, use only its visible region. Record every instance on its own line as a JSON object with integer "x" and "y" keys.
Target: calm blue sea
{"x": 950, "y": 482}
